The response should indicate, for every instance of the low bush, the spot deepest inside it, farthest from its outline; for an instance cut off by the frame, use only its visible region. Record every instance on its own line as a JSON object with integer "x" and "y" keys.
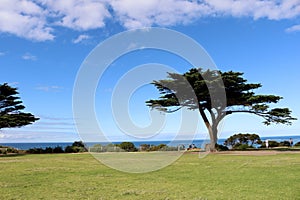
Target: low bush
{"x": 284, "y": 144}
{"x": 220, "y": 147}
{"x": 127, "y": 146}
{"x": 242, "y": 147}
{"x": 77, "y": 147}
{"x": 6, "y": 150}
{"x": 297, "y": 144}
{"x": 57, "y": 149}
{"x": 272, "y": 143}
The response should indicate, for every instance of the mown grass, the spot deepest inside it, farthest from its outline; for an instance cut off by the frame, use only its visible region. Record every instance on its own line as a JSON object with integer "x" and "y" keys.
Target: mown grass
{"x": 80, "y": 176}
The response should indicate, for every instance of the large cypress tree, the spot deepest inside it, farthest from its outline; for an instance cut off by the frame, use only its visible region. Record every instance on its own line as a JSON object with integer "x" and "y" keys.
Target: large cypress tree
{"x": 240, "y": 98}
{"x": 11, "y": 107}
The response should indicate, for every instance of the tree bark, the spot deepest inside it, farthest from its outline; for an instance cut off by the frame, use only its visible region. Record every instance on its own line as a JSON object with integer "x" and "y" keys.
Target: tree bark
{"x": 212, "y": 129}
{"x": 213, "y": 134}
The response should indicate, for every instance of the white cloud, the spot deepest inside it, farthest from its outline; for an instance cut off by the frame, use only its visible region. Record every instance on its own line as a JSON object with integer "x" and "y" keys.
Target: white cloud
{"x": 25, "y": 19}
{"x": 53, "y": 88}
{"x": 2, "y": 53}
{"x": 294, "y": 28}
{"x": 80, "y": 38}
{"x": 273, "y": 10}
{"x": 28, "y": 56}
{"x": 136, "y": 14}
{"x": 79, "y": 14}
{"x": 39, "y": 19}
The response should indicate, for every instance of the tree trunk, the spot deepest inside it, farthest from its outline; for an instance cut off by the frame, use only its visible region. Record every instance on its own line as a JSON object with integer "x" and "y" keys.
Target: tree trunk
{"x": 213, "y": 134}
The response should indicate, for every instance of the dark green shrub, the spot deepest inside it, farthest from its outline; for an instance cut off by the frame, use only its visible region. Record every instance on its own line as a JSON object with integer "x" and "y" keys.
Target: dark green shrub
{"x": 3, "y": 151}
{"x": 12, "y": 150}
{"x": 145, "y": 147}
{"x": 242, "y": 147}
{"x": 81, "y": 146}
{"x": 284, "y": 144}
{"x": 273, "y": 143}
{"x": 69, "y": 149}
{"x": 58, "y": 149}
{"x": 35, "y": 151}
{"x": 160, "y": 147}
{"x": 297, "y": 144}
{"x": 48, "y": 150}
{"x": 76, "y": 147}
{"x": 127, "y": 146}
{"x": 220, "y": 147}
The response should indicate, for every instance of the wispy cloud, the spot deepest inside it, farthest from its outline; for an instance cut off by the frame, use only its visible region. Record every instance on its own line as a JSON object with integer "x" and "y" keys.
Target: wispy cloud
{"x": 13, "y": 83}
{"x": 294, "y": 28}
{"x": 47, "y": 129}
{"x": 39, "y": 19}
{"x": 53, "y": 88}
{"x": 2, "y": 53}
{"x": 28, "y": 56}
{"x": 81, "y": 38}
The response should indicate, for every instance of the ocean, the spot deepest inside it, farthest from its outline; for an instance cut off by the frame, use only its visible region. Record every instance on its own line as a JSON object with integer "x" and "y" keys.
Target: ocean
{"x": 197, "y": 143}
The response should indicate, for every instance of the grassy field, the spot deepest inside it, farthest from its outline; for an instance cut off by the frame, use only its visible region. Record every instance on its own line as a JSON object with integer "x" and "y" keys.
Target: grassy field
{"x": 80, "y": 176}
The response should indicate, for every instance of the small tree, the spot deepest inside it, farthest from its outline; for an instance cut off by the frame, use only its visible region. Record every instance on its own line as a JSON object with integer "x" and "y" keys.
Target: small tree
{"x": 240, "y": 98}
{"x": 77, "y": 146}
{"x": 242, "y": 139}
{"x": 127, "y": 146}
{"x": 11, "y": 107}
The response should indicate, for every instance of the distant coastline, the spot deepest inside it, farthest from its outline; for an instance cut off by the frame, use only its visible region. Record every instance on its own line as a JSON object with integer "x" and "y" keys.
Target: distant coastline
{"x": 197, "y": 142}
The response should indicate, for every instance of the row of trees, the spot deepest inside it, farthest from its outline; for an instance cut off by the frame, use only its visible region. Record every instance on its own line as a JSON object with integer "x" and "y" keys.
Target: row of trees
{"x": 130, "y": 147}
{"x": 245, "y": 141}
{"x": 76, "y": 147}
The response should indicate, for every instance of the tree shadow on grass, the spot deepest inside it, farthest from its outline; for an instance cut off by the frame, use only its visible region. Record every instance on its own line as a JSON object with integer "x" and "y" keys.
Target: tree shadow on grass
{"x": 12, "y": 155}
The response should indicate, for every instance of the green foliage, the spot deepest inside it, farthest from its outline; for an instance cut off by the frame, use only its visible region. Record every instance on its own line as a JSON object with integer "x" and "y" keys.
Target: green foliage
{"x": 297, "y": 144}
{"x": 284, "y": 144}
{"x": 176, "y": 93}
{"x": 78, "y": 144}
{"x": 272, "y": 143}
{"x": 35, "y": 151}
{"x": 96, "y": 148}
{"x": 145, "y": 147}
{"x": 77, "y": 147}
{"x": 242, "y": 141}
{"x": 47, "y": 150}
{"x": 220, "y": 147}
{"x": 11, "y": 107}
{"x": 242, "y": 147}
{"x": 8, "y": 150}
{"x": 160, "y": 147}
{"x": 127, "y": 146}
{"x": 58, "y": 149}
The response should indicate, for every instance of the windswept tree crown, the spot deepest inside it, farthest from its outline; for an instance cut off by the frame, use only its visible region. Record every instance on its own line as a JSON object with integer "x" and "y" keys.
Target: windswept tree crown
{"x": 11, "y": 107}
{"x": 240, "y": 96}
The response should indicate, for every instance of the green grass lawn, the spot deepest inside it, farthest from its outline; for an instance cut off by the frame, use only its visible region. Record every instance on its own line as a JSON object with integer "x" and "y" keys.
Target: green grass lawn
{"x": 80, "y": 176}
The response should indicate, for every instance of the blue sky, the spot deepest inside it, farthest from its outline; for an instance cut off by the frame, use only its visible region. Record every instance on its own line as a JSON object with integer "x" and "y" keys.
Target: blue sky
{"x": 44, "y": 42}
